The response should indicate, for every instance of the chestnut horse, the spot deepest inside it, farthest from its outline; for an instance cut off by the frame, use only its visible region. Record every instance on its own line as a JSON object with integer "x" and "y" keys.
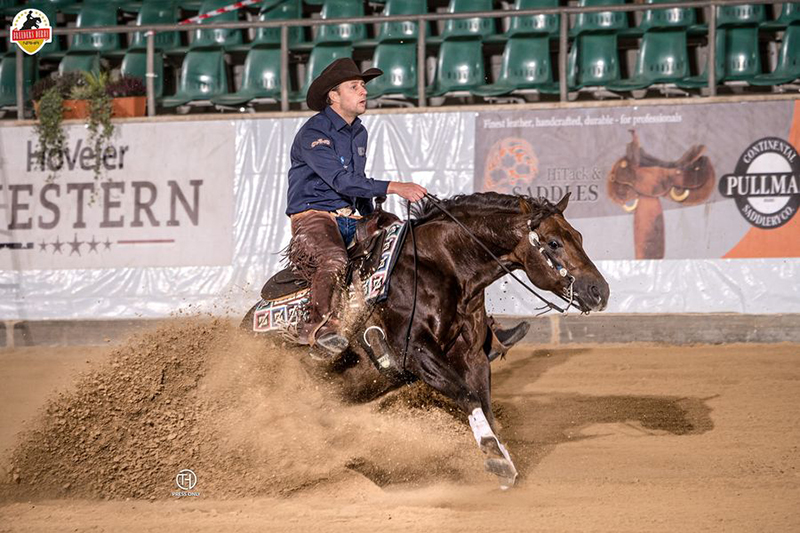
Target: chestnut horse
{"x": 445, "y": 346}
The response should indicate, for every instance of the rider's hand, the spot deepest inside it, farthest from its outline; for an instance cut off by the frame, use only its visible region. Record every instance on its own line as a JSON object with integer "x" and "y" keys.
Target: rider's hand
{"x": 410, "y": 191}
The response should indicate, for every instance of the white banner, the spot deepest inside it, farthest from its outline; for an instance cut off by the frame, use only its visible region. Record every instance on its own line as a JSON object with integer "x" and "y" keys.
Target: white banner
{"x": 153, "y": 206}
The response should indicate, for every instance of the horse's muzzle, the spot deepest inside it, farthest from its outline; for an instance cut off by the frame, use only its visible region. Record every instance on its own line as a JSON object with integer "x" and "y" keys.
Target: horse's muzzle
{"x": 592, "y": 293}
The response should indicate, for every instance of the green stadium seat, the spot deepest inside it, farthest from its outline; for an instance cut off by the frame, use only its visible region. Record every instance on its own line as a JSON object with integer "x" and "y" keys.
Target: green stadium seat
{"x": 96, "y": 14}
{"x": 525, "y": 65}
{"x": 701, "y": 80}
{"x": 459, "y": 67}
{"x": 398, "y": 61}
{"x": 157, "y": 12}
{"x": 339, "y": 33}
{"x": 788, "y": 68}
{"x": 203, "y": 76}
{"x": 398, "y": 31}
{"x": 790, "y": 14}
{"x": 217, "y": 37}
{"x": 285, "y": 10}
{"x": 595, "y": 61}
{"x": 600, "y": 21}
{"x": 482, "y": 27}
{"x": 738, "y": 57}
{"x": 742, "y": 57}
{"x": 739, "y": 15}
{"x": 8, "y": 78}
{"x": 534, "y": 23}
{"x": 261, "y": 78}
{"x": 134, "y": 63}
{"x": 321, "y": 56}
{"x": 666, "y": 18}
{"x": 79, "y": 61}
{"x": 663, "y": 58}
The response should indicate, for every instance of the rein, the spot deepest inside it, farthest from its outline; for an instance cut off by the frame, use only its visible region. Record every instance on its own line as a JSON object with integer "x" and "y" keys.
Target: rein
{"x": 414, "y": 304}
{"x": 534, "y": 240}
{"x": 548, "y": 306}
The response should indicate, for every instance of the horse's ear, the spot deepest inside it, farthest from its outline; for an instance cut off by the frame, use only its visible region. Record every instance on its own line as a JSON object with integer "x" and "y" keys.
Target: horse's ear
{"x": 525, "y": 206}
{"x": 562, "y": 204}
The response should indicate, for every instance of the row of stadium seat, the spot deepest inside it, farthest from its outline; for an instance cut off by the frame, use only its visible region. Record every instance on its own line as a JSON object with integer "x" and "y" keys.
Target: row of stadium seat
{"x": 97, "y": 13}
{"x": 525, "y": 66}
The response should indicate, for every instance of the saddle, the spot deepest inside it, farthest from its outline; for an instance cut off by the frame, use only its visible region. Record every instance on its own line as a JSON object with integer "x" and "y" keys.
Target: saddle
{"x": 688, "y": 180}
{"x": 364, "y": 256}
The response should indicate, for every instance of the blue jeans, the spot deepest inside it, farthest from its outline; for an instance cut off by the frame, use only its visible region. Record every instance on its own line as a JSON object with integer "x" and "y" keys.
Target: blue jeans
{"x": 347, "y": 227}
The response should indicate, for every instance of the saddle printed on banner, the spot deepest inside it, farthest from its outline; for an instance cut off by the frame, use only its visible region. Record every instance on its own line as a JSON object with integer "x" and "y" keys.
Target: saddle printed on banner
{"x": 31, "y": 30}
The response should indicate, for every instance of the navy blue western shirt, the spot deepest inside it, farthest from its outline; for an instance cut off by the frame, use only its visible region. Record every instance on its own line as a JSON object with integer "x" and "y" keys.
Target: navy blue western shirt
{"x": 328, "y": 160}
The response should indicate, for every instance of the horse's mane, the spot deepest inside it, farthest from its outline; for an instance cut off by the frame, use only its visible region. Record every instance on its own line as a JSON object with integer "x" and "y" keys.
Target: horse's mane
{"x": 483, "y": 202}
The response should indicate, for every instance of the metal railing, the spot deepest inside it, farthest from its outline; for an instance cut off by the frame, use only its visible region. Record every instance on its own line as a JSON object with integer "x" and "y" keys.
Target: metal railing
{"x": 421, "y": 20}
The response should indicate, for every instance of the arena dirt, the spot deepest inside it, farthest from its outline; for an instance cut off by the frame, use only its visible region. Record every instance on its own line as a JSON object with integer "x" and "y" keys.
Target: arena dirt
{"x": 627, "y": 437}
{"x": 202, "y": 395}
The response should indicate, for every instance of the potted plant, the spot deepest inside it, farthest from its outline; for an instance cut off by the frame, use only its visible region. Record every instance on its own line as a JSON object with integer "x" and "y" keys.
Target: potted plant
{"x": 93, "y": 97}
{"x": 129, "y": 96}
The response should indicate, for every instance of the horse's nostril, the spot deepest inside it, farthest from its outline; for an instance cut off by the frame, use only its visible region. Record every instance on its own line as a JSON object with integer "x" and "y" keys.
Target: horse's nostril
{"x": 595, "y": 292}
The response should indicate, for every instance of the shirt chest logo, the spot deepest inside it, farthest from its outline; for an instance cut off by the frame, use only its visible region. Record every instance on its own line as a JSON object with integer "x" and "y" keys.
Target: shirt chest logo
{"x": 362, "y": 151}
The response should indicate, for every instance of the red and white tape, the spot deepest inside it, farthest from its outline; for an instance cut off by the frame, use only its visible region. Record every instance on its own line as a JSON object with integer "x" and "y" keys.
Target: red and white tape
{"x": 232, "y": 7}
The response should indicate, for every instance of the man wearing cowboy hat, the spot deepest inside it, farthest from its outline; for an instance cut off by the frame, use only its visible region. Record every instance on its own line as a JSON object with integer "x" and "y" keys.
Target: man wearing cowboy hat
{"x": 327, "y": 186}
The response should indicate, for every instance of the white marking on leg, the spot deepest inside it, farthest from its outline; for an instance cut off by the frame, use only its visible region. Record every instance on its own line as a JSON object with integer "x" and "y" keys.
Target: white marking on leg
{"x": 480, "y": 426}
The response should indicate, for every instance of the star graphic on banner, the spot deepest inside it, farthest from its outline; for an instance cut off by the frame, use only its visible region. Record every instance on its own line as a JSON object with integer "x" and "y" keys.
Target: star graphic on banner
{"x": 75, "y": 244}
{"x": 107, "y": 244}
{"x": 93, "y": 245}
{"x": 57, "y": 246}
{"x": 42, "y": 246}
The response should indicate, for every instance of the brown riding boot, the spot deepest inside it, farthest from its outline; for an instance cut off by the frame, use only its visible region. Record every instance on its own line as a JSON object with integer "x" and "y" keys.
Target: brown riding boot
{"x": 317, "y": 250}
{"x": 499, "y": 340}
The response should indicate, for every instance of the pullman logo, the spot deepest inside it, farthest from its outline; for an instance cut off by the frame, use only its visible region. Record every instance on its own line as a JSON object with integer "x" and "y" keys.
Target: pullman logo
{"x": 765, "y": 183}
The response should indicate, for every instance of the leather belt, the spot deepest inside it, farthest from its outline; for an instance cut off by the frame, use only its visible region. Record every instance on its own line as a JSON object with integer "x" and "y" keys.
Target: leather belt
{"x": 345, "y": 212}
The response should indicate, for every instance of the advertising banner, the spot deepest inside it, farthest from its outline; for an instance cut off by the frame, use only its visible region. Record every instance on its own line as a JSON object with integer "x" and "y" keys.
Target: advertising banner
{"x": 151, "y": 206}
{"x": 656, "y": 182}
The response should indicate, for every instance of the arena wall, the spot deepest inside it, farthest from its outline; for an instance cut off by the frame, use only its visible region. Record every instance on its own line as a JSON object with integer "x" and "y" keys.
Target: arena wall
{"x": 189, "y": 215}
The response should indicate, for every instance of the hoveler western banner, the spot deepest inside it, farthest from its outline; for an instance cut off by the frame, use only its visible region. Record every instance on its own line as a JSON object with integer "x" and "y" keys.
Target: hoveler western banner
{"x": 154, "y": 205}
{"x": 655, "y": 182}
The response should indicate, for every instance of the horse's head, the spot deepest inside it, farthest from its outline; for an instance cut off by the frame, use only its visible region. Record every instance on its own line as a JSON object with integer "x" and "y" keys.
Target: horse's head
{"x": 551, "y": 252}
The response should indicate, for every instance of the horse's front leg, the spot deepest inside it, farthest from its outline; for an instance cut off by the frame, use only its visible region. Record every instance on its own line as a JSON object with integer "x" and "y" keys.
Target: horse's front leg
{"x": 463, "y": 375}
{"x": 481, "y": 419}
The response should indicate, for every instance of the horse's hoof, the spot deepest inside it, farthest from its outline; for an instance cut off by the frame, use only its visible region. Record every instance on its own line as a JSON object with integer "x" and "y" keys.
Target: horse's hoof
{"x": 503, "y": 469}
{"x": 499, "y": 462}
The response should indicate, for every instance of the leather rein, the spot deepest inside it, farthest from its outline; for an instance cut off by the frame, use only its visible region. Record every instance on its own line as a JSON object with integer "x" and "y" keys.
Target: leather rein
{"x": 533, "y": 238}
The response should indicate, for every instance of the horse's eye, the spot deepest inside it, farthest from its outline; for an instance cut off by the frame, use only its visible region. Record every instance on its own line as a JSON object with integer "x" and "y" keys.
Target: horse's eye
{"x": 553, "y": 245}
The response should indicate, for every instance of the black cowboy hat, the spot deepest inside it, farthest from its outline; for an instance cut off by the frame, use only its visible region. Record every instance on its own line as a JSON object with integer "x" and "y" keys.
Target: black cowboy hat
{"x": 342, "y": 69}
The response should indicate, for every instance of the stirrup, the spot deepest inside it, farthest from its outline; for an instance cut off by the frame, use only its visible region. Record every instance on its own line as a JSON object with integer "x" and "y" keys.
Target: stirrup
{"x": 331, "y": 343}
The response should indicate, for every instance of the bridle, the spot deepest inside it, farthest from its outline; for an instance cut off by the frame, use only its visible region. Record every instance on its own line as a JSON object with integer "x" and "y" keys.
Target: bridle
{"x": 533, "y": 238}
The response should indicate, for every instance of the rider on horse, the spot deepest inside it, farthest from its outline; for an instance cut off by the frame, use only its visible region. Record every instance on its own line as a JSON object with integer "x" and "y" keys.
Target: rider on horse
{"x": 328, "y": 187}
